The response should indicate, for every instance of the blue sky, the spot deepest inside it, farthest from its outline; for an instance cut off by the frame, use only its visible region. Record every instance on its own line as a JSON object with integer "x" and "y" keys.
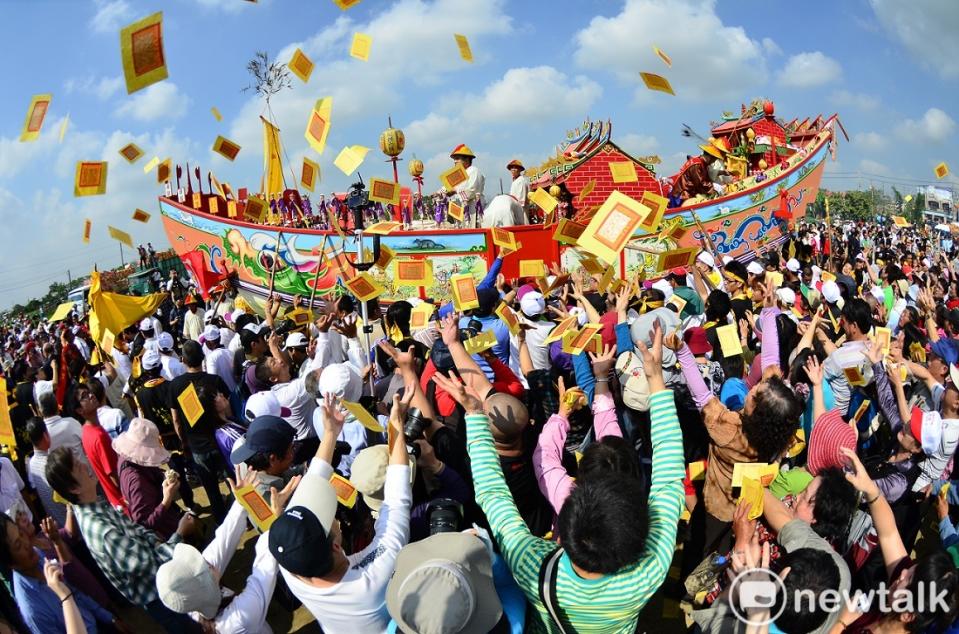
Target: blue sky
{"x": 890, "y": 68}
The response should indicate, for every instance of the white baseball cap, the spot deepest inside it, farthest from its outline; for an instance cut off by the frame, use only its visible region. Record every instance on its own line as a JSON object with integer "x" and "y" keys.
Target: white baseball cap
{"x": 665, "y": 287}
{"x": 793, "y": 265}
{"x": 830, "y": 292}
{"x": 146, "y": 324}
{"x": 208, "y": 316}
{"x": 295, "y": 340}
{"x": 786, "y": 295}
{"x": 211, "y": 333}
{"x": 165, "y": 341}
{"x": 706, "y": 259}
{"x": 532, "y": 304}
{"x": 755, "y": 268}
{"x": 186, "y": 584}
{"x": 151, "y": 359}
{"x": 264, "y": 403}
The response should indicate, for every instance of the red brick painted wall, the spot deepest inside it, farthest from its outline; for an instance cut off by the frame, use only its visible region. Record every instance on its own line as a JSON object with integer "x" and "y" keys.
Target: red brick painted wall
{"x": 773, "y": 130}
{"x": 597, "y": 167}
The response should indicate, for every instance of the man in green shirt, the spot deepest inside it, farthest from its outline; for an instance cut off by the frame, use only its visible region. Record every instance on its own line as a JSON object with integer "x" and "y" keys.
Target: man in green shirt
{"x": 608, "y": 569}
{"x": 694, "y": 303}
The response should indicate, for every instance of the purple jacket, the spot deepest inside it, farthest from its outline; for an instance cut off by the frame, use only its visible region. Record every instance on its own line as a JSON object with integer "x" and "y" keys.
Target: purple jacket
{"x": 142, "y": 487}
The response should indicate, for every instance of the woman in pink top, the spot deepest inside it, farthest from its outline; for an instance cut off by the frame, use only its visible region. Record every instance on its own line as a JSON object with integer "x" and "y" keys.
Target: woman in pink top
{"x": 609, "y": 453}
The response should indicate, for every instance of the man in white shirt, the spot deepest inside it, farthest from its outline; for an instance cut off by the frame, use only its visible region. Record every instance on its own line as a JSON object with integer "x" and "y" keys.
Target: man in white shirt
{"x": 345, "y": 593}
{"x": 36, "y": 470}
{"x": 471, "y": 193}
{"x": 291, "y": 394}
{"x": 170, "y": 365}
{"x": 64, "y": 431}
{"x": 192, "y": 320}
{"x": 219, "y": 360}
{"x": 519, "y": 188}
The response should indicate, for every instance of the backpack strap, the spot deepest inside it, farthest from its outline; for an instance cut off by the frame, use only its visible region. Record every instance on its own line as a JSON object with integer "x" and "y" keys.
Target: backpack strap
{"x": 547, "y": 589}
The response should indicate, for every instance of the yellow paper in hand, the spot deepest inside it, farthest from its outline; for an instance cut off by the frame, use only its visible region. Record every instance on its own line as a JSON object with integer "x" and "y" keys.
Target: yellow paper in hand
{"x": 362, "y": 416}
{"x": 453, "y": 178}
{"x": 189, "y": 402}
{"x": 420, "y": 316}
{"x": 776, "y": 277}
{"x": 350, "y": 158}
{"x": 91, "y": 178}
{"x": 728, "y": 336}
{"x": 36, "y": 113}
{"x": 256, "y": 507}
{"x": 557, "y": 333}
{"x": 854, "y": 376}
{"x": 883, "y": 339}
{"x": 465, "y": 296}
{"x": 697, "y": 470}
{"x": 141, "y": 50}
{"x": 623, "y": 171}
{"x": 301, "y": 65}
{"x": 753, "y": 494}
{"x": 542, "y": 199}
{"x": 464, "y": 46}
{"x": 481, "y": 342}
{"x": 944, "y": 489}
{"x": 827, "y": 277}
{"x": 360, "y": 47}
{"x": 861, "y": 411}
{"x": 583, "y": 337}
{"x": 345, "y": 491}
{"x": 657, "y": 82}
{"x": 764, "y": 472}
{"x": 504, "y": 238}
{"x": 506, "y": 314}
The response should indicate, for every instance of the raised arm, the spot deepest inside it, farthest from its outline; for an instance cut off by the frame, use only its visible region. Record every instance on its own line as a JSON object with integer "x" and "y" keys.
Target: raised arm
{"x": 551, "y": 475}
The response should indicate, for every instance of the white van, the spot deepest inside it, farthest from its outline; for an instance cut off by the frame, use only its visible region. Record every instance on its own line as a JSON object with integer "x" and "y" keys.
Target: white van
{"x": 79, "y": 297}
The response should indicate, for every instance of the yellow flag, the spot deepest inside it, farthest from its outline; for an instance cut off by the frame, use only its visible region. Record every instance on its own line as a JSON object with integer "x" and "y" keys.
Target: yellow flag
{"x": 7, "y": 436}
{"x": 115, "y": 312}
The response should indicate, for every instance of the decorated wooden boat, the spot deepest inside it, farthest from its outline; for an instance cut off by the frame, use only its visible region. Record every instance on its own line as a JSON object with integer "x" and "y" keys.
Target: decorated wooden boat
{"x": 782, "y": 165}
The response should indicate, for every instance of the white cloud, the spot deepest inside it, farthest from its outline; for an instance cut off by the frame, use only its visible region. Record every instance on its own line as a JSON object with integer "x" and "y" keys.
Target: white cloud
{"x": 771, "y": 47}
{"x": 111, "y": 15}
{"x": 530, "y": 94}
{"x": 637, "y": 144}
{"x": 935, "y": 126}
{"x": 159, "y": 101}
{"x": 868, "y": 166}
{"x": 230, "y": 6}
{"x": 710, "y": 59}
{"x": 861, "y": 101}
{"x": 870, "y": 141}
{"x": 807, "y": 70}
{"x": 102, "y": 88}
{"x": 926, "y": 28}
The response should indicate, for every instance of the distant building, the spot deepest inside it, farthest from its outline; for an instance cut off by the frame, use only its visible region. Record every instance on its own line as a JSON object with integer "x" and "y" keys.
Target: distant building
{"x": 940, "y": 205}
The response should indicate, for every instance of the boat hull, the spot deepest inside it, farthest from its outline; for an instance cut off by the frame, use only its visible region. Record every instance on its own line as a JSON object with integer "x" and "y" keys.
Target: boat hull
{"x": 738, "y": 225}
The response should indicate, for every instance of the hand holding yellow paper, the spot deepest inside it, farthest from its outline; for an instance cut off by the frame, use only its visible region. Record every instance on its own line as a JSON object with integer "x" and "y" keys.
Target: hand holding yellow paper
{"x": 729, "y": 342}
{"x": 752, "y": 493}
{"x": 362, "y": 416}
{"x": 256, "y": 507}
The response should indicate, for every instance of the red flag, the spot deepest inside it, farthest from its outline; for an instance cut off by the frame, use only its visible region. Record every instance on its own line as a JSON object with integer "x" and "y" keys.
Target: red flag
{"x": 206, "y": 279}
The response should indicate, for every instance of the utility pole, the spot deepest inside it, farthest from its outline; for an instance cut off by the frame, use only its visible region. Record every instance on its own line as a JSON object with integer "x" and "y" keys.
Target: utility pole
{"x": 122, "y": 263}
{"x": 69, "y": 279}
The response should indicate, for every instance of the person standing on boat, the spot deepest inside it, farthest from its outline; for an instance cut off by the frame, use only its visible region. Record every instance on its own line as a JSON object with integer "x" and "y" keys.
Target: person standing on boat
{"x": 693, "y": 178}
{"x": 519, "y": 188}
{"x": 472, "y": 191}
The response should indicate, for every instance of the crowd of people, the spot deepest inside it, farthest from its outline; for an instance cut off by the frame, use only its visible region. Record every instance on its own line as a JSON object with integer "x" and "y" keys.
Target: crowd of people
{"x": 794, "y": 417}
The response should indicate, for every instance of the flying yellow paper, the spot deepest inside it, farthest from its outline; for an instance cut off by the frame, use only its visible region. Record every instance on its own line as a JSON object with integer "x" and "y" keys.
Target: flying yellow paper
{"x": 508, "y": 316}
{"x": 586, "y": 191}
{"x": 141, "y": 216}
{"x": 164, "y": 171}
{"x": 907, "y": 198}
{"x": 87, "y": 228}
{"x": 309, "y": 173}
{"x": 942, "y": 170}
{"x": 383, "y": 228}
{"x": 91, "y": 178}
{"x": 226, "y": 148}
{"x": 350, "y": 158}
{"x": 729, "y": 342}
{"x": 413, "y": 272}
{"x": 364, "y": 287}
{"x": 132, "y": 153}
{"x": 216, "y": 113}
{"x": 362, "y": 416}
{"x": 318, "y": 126}
{"x": 36, "y": 113}
{"x": 612, "y": 226}
{"x": 141, "y": 49}
{"x": 455, "y": 210}
{"x": 532, "y": 268}
{"x": 121, "y": 236}
{"x": 150, "y": 164}
{"x": 63, "y": 127}
{"x": 623, "y": 171}
{"x": 420, "y": 316}
{"x": 464, "y": 45}
{"x": 360, "y": 47}
{"x": 481, "y": 342}
{"x": 301, "y": 65}
{"x": 542, "y": 199}
{"x": 465, "y": 296}
{"x": 663, "y": 56}
{"x": 657, "y": 82}
{"x": 658, "y": 205}
{"x": 346, "y": 4}
{"x": 384, "y": 191}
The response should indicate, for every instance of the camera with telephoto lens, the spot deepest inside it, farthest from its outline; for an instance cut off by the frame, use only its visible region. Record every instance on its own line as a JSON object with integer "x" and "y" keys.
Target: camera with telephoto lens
{"x": 414, "y": 429}
{"x": 473, "y": 327}
{"x": 444, "y": 516}
{"x": 284, "y": 327}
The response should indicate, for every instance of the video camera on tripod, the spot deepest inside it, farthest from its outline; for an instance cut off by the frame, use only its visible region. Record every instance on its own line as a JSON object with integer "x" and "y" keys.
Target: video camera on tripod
{"x": 358, "y": 200}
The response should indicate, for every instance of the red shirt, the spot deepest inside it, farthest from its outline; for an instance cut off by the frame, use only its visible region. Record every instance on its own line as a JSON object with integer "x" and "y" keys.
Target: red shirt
{"x": 98, "y": 446}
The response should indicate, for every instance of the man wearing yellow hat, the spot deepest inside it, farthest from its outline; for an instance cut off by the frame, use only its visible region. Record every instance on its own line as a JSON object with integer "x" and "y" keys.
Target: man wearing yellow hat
{"x": 471, "y": 192}
{"x": 693, "y": 178}
{"x": 519, "y": 189}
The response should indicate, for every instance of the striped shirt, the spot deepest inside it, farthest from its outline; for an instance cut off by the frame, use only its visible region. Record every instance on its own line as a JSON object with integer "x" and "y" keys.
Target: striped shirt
{"x": 610, "y": 603}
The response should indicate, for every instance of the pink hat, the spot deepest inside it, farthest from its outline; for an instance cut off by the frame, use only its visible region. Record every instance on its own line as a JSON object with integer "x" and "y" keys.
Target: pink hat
{"x": 140, "y": 444}
{"x": 829, "y": 433}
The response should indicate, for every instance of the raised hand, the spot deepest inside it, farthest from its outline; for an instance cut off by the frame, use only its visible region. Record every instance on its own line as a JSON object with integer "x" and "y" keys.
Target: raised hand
{"x": 653, "y": 356}
{"x": 402, "y": 359}
{"x": 673, "y": 341}
{"x": 347, "y": 327}
{"x": 623, "y": 298}
{"x": 449, "y": 329}
{"x": 859, "y": 477}
{"x": 604, "y": 361}
{"x": 323, "y": 323}
{"x": 400, "y": 407}
{"x": 570, "y": 399}
{"x": 333, "y": 417}
{"x": 463, "y": 394}
{"x": 279, "y": 499}
{"x": 814, "y": 370}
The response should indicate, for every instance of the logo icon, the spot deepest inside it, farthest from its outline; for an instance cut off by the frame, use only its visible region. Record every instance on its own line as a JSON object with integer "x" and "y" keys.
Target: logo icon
{"x": 756, "y": 589}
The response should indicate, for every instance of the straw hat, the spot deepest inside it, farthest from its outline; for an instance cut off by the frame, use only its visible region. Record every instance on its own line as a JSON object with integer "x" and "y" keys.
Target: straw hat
{"x": 140, "y": 444}
{"x": 462, "y": 150}
{"x": 515, "y": 163}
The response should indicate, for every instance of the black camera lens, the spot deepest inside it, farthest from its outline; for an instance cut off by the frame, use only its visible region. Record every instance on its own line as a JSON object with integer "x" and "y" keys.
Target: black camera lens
{"x": 444, "y": 516}
{"x": 415, "y": 425}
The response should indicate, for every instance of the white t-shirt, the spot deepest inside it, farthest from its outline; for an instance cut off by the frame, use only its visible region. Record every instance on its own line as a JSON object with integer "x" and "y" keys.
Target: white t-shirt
{"x": 65, "y": 432}
{"x": 220, "y": 363}
{"x": 358, "y": 602}
{"x": 293, "y": 395}
{"x": 111, "y": 420}
{"x": 10, "y": 485}
{"x": 171, "y": 367}
{"x": 519, "y": 189}
{"x": 121, "y": 361}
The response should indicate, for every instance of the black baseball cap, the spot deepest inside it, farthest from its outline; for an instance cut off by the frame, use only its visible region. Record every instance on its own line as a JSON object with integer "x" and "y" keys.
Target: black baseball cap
{"x": 266, "y": 434}
{"x": 299, "y": 541}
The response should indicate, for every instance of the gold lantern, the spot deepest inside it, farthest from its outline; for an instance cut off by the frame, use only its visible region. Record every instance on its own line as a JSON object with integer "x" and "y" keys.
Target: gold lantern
{"x": 555, "y": 191}
{"x": 392, "y": 142}
{"x": 416, "y": 168}
{"x": 763, "y": 164}
{"x": 750, "y": 134}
